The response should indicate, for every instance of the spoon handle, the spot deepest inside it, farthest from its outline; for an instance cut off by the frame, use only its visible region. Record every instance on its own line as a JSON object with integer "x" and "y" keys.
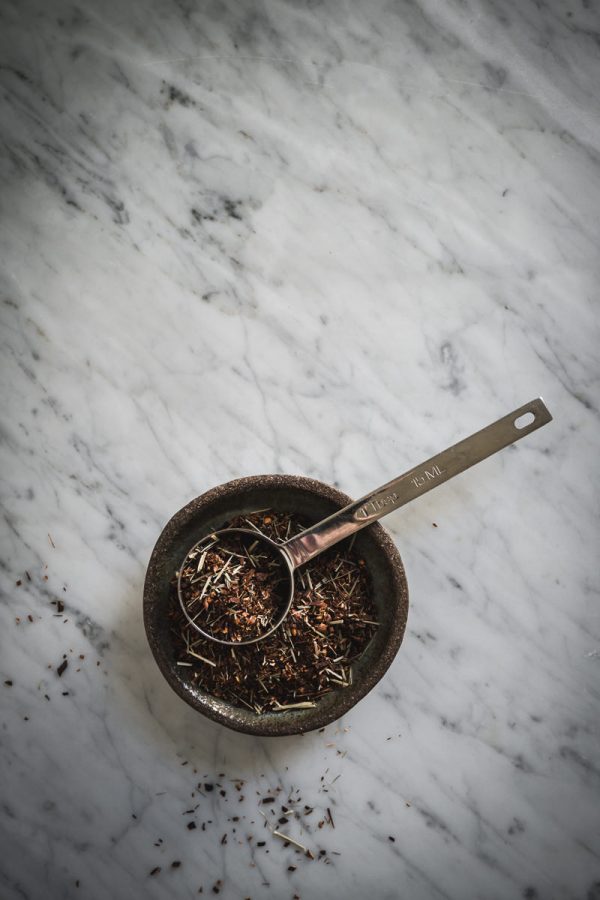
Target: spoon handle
{"x": 417, "y": 481}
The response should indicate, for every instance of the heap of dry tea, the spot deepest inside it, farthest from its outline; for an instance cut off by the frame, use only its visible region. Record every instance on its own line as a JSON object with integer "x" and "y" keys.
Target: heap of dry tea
{"x": 234, "y": 586}
{"x": 331, "y": 621}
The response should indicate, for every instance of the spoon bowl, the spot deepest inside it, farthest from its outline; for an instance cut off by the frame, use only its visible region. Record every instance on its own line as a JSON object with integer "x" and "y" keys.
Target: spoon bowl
{"x": 276, "y": 551}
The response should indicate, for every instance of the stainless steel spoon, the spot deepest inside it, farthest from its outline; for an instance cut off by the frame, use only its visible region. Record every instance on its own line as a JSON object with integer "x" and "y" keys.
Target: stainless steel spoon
{"x": 412, "y": 484}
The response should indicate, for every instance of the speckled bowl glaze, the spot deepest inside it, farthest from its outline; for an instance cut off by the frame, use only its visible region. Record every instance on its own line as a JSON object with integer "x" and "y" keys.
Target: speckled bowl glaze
{"x": 312, "y": 500}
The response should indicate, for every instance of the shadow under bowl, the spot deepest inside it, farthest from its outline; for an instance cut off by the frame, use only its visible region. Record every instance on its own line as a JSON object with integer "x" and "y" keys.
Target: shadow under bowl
{"x": 312, "y": 500}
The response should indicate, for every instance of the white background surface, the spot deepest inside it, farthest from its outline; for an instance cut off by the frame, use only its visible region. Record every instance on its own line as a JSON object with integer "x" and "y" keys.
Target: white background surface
{"x": 320, "y": 239}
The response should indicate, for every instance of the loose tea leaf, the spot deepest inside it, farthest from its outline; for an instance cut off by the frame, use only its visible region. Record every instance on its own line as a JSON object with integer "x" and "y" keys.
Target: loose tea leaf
{"x": 329, "y": 626}
{"x": 62, "y": 667}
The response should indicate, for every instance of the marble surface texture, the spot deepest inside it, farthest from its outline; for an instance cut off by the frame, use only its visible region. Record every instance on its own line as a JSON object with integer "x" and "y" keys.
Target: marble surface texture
{"x": 320, "y": 238}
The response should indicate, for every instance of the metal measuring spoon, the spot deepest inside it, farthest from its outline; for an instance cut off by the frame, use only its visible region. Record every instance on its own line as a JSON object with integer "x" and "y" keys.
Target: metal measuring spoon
{"x": 418, "y": 480}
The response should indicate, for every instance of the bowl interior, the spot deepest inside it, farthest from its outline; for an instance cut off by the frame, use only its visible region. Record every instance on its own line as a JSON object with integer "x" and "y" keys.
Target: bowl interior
{"x": 312, "y": 501}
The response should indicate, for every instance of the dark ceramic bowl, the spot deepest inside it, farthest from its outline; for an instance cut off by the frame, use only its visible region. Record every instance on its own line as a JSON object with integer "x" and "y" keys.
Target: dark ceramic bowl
{"x": 313, "y": 500}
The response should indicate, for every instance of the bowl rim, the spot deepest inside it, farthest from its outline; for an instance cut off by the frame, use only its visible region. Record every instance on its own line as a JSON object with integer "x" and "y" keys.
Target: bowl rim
{"x": 286, "y": 723}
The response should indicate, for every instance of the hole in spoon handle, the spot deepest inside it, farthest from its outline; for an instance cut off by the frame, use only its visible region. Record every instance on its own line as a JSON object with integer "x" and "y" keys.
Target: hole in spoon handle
{"x": 524, "y": 420}
{"x": 531, "y": 416}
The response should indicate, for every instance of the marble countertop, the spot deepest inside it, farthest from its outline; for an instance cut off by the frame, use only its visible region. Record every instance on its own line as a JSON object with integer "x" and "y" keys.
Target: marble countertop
{"x": 326, "y": 239}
